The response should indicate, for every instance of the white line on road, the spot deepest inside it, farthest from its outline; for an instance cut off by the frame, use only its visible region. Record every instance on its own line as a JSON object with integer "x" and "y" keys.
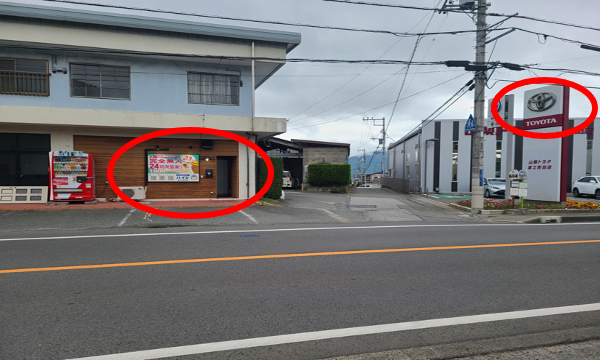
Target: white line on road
{"x": 337, "y": 217}
{"x": 126, "y": 217}
{"x": 249, "y": 217}
{"x": 340, "y": 333}
{"x": 293, "y": 229}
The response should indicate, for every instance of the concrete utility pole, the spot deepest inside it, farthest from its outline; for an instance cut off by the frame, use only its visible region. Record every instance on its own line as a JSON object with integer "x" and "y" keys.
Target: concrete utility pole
{"x": 477, "y": 137}
{"x": 381, "y": 141}
{"x": 361, "y": 165}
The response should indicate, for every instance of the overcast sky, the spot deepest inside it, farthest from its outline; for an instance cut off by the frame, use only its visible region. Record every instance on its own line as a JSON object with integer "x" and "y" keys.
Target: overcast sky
{"x": 342, "y": 94}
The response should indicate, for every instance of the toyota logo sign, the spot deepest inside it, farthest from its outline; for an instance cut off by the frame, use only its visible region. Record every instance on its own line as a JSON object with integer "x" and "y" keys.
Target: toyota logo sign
{"x": 541, "y": 102}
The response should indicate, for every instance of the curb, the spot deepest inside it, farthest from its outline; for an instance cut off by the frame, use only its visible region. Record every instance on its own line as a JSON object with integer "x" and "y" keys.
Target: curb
{"x": 536, "y": 211}
{"x": 562, "y": 219}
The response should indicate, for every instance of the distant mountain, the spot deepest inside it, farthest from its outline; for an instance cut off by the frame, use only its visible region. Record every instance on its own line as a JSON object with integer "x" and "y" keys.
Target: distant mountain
{"x": 375, "y": 163}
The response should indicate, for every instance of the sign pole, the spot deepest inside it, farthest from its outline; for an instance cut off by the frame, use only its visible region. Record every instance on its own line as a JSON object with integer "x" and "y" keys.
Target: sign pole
{"x": 564, "y": 162}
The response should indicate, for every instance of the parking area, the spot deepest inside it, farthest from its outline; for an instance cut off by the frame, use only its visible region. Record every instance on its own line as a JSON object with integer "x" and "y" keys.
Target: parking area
{"x": 299, "y": 207}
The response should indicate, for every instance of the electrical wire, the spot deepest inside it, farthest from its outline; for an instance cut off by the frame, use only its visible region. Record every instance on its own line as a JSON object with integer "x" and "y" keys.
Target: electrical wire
{"x": 402, "y": 34}
{"x": 459, "y": 11}
{"x": 513, "y": 81}
{"x": 406, "y": 74}
{"x": 365, "y": 69}
{"x": 364, "y": 112}
{"x": 289, "y": 60}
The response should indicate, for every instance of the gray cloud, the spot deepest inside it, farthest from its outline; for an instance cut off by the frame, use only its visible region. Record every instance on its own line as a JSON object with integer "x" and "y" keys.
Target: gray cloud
{"x": 299, "y": 86}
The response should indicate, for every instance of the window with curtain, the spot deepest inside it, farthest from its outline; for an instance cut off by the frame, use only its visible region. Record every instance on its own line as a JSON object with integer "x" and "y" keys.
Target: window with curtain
{"x": 212, "y": 89}
{"x": 100, "y": 81}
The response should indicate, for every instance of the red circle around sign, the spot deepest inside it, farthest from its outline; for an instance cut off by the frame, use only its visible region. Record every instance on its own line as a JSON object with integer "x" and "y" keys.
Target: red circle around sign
{"x": 189, "y": 130}
{"x": 544, "y": 80}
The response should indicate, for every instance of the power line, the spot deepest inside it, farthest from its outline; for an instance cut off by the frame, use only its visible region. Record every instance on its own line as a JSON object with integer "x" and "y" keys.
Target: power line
{"x": 402, "y": 34}
{"x": 412, "y": 56}
{"x": 554, "y": 37}
{"x": 460, "y": 11}
{"x": 345, "y": 102}
{"x": 364, "y": 112}
{"x": 514, "y": 81}
{"x": 349, "y": 81}
{"x": 280, "y": 60}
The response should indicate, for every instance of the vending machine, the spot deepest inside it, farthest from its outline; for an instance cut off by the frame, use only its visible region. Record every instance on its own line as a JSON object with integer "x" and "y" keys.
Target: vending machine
{"x": 72, "y": 176}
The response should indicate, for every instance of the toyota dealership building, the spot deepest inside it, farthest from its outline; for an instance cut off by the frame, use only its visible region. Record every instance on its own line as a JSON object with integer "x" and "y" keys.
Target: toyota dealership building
{"x": 443, "y": 165}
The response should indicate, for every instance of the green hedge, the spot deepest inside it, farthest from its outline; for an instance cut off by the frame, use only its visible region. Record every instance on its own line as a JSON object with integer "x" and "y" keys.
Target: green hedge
{"x": 329, "y": 174}
{"x": 275, "y": 190}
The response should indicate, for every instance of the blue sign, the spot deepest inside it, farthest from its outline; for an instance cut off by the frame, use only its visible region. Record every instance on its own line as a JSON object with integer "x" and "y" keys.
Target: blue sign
{"x": 470, "y": 125}
{"x": 480, "y": 177}
{"x": 499, "y": 105}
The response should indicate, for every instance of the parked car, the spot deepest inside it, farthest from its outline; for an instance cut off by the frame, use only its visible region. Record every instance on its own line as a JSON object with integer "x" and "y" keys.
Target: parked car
{"x": 288, "y": 182}
{"x": 587, "y": 185}
{"x": 365, "y": 186}
{"x": 493, "y": 187}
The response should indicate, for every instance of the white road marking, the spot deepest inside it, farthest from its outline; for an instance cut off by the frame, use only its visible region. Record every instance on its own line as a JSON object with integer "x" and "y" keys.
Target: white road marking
{"x": 294, "y": 229}
{"x": 340, "y": 333}
{"x": 249, "y": 217}
{"x": 10, "y": 213}
{"x": 126, "y": 217}
{"x": 337, "y": 217}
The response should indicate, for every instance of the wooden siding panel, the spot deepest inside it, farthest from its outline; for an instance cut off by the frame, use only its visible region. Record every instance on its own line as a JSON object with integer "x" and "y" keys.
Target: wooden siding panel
{"x": 131, "y": 169}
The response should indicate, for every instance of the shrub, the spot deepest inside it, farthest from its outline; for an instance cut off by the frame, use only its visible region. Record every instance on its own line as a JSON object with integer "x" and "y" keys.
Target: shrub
{"x": 329, "y": 174}
{"x": 275, "y": 190}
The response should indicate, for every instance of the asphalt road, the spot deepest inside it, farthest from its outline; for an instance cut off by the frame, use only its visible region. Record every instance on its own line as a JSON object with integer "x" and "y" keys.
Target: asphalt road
{"x": 296, "y": 283}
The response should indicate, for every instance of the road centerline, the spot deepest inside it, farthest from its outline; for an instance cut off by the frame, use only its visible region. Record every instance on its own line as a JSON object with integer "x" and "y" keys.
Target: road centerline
{"x": 293, "y": 255}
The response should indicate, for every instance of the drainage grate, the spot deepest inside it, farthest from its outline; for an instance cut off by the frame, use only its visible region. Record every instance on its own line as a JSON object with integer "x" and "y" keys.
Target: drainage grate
{"x": 365, "y": 206}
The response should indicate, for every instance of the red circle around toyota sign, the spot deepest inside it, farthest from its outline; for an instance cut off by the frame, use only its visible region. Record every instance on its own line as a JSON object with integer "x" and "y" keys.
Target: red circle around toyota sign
{"x": 189, "y": 130}
{"x": 544, "y": 80}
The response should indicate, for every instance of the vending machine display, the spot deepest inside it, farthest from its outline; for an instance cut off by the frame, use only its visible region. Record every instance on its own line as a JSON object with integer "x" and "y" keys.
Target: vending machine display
{"x": 72, "y": 176}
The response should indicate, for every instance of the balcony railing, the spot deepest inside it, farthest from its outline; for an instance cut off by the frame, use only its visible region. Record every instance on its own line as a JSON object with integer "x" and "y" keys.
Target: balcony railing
{"x": 24, "y": 83}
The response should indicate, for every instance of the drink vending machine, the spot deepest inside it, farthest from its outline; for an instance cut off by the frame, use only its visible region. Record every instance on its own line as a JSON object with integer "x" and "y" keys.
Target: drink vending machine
{"x": 72, "y": 176}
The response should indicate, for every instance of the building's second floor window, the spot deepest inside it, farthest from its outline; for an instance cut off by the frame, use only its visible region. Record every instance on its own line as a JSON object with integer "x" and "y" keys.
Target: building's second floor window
{"x": 100, "y": 81}
{"x": 213, "y": 89}
{"x": 24, "y": 77}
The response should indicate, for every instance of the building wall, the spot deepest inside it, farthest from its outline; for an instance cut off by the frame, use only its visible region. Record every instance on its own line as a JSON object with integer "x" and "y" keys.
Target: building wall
{"x": 397, "y": 160}
{"x": 131, "y": 168}
{"x": 156, "y": 86}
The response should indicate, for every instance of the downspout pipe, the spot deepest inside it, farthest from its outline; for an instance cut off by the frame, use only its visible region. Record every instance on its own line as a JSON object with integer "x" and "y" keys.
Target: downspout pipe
{"x": 252, "y": 129}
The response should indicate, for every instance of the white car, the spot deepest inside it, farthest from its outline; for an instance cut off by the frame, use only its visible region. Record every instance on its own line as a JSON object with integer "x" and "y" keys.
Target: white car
{"x": 493, "y": 187}
{"x": 587, "y": 185}
{"x": 365, "y": 186}
{"x": 288, "y": 182}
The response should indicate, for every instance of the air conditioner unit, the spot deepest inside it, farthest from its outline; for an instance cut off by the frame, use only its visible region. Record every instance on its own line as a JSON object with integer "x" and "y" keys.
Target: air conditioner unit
{"x": 134, "y": 192}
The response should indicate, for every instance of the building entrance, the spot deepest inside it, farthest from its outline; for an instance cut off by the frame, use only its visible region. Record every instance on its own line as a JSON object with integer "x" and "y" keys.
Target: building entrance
{"x": 224, "y": 176}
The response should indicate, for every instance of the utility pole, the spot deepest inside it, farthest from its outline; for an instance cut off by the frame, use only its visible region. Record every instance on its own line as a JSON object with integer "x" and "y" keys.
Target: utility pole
{"x": 381, "y": 141}
{"x": 480, "y": 69}
{"x": 477, "y": 137}
{"x": 361, "y": 165}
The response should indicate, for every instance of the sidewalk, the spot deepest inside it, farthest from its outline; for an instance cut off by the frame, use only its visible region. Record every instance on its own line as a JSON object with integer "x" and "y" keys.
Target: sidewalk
{"x": 587, "y": 350}
{"x": 123, "y": 205}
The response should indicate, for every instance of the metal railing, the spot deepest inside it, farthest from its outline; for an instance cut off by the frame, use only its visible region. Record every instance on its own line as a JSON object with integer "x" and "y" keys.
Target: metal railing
{"x": 24, "y": 83}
